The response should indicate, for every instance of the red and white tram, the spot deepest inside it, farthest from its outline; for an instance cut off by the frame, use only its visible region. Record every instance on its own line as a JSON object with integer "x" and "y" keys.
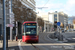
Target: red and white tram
{"x": 30, "y": 32}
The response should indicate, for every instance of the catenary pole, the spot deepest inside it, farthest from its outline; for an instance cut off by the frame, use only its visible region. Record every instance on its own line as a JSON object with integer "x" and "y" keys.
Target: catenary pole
{"x": 4, "y": 27}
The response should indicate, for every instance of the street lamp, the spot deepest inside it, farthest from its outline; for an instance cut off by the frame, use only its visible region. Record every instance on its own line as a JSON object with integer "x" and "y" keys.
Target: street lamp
{"x": 4, "y": 26}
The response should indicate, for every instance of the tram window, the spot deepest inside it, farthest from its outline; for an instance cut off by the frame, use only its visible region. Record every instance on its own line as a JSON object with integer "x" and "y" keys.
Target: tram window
{"x": 30, "y": 30}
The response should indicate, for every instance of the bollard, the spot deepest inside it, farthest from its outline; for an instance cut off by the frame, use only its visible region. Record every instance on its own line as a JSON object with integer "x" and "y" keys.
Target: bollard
{"x": 60, "y": 38}
{"x": 16, "y": 38}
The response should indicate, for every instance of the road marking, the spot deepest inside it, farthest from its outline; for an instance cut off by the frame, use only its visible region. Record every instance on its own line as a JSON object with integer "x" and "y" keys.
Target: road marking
{"x": 69, "y": 47}
{"x": 55, "y": 46}
{"x": 57, "y": 41}
{"x": 49, "y": 37}
{"x": 19, "y": 44}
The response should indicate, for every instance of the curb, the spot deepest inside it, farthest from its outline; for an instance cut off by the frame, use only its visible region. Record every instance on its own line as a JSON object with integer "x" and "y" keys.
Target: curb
{"x": 50, "y": 38}
{"x": 57, "y": 39}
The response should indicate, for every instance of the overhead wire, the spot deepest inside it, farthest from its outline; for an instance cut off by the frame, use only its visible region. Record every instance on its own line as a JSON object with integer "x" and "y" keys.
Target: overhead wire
{"x": 46, "y": 3}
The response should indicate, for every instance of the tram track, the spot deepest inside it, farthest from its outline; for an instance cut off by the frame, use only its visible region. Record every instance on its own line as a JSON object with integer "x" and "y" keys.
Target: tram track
{"x": 45, "y": 43}
{"x": 43, "y": 39}
{"x": 35, "y": 47}
{"x": 30, "y": 43}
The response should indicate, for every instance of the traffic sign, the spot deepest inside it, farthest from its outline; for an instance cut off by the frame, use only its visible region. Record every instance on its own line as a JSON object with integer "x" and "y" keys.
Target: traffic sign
{"x": 58, "y": 23}
{"x": 10, "y": 25}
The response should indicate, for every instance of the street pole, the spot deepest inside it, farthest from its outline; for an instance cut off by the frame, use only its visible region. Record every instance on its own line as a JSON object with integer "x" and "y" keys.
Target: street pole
{"x": 44, "y": 26}
{"x": 16, "y": 30}
{"x": 4, "y": 27}
{"x": 10, "y": 19}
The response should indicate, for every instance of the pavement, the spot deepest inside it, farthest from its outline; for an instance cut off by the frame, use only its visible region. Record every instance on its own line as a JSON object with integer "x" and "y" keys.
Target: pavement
{"x": 12, "y": 45}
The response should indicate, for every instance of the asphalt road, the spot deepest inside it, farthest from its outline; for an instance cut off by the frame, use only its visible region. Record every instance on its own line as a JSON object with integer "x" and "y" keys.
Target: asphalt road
{"x": 45, "y": 43}
{"x": 70, "y": 36}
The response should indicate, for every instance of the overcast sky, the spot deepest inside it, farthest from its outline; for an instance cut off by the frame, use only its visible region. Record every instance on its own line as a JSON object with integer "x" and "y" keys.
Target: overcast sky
{"x": 67, "y": 6}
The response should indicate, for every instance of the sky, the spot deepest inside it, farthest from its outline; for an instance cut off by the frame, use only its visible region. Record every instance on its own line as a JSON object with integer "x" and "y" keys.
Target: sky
{"x": 67, "y": 6}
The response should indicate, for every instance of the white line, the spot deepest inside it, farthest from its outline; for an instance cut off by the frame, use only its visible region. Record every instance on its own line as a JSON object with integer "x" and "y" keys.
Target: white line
{"x": 19, "y": 44}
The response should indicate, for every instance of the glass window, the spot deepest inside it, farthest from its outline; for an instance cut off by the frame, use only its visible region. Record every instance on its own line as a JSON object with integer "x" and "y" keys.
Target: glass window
{"x": 30, "y": 29}
{"x": 55, "y": 17}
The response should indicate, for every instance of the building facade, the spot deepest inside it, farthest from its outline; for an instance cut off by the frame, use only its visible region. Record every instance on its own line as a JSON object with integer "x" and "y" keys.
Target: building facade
{"x": 71, "y": 22}
{"x": 1, "y": 18}
{"x": 58, "y": 17}
{"x": 29, "y": 3}
{"x": 47, "y": 23}
{"x": 10, "y": 16}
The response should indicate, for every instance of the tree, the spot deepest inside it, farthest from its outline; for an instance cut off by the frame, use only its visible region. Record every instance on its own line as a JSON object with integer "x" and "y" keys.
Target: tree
{"x": 40, "y": 22}
{"x": 22, "y": 13}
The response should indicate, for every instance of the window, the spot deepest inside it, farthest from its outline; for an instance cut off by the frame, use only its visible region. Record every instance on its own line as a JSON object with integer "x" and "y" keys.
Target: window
{"x": 30, "y": 29}
{"x": 55, "y": 17}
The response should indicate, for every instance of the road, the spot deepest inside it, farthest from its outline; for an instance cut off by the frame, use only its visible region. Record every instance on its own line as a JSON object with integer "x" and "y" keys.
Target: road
{"x": 45, "y": 43}
{"x": 70, "y": 36}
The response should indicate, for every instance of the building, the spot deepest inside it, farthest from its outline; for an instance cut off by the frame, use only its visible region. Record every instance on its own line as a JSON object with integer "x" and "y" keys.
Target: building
{"x": 1, "y": 19}
{"x": 29, "y": 3}
{"x": 74, "y": 24}
{"x": 47, "y": 23}
{"x": 61, "y": 17}
{"x": 11, "y": 26}
{"x": 71, "y": 22}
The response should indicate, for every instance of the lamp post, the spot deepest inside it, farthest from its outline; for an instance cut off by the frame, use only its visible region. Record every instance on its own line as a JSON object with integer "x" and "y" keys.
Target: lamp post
{"x": 4, "y": 27}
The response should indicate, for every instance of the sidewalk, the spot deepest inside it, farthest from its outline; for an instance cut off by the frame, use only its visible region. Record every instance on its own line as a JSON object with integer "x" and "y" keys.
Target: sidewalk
{"x": 12, "y": 45}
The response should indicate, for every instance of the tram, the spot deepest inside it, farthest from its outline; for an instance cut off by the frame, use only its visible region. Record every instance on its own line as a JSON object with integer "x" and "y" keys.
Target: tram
{"x": 30, "y": 32}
